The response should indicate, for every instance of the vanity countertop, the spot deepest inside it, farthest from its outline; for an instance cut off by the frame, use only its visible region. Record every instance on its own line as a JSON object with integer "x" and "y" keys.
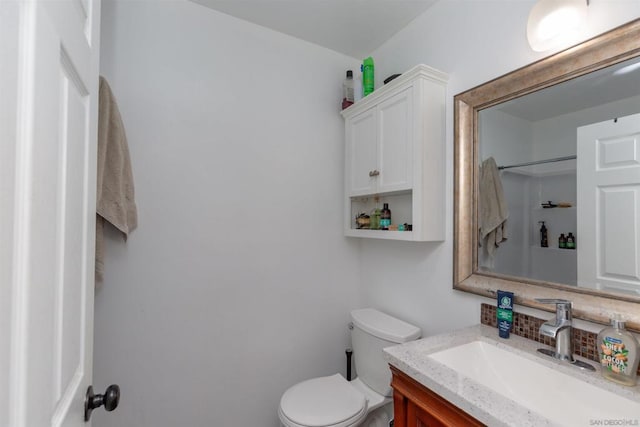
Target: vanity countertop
{"x": 477, "y": 400}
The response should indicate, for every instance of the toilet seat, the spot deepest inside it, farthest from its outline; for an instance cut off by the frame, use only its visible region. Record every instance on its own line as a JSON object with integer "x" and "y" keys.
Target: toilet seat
{"x": 322, "y": 402}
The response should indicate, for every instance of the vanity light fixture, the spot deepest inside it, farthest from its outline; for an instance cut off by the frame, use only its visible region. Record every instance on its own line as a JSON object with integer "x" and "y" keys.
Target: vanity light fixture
{"x": 556, "y": 23}
{"x": 628, "y": 69}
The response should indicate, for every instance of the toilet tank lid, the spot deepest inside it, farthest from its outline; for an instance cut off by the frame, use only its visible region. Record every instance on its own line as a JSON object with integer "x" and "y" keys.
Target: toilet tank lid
{"x": 384, "y": 326}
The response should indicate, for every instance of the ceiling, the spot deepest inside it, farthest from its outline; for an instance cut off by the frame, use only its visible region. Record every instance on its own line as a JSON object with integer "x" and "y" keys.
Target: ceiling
{"x": 358, "y": 27}
{"x": 352, "y": 27}
{"x": 607, "y": 85}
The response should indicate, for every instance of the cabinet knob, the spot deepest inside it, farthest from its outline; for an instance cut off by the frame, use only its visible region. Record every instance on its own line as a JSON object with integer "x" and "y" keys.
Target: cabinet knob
{"x": 374, "y": 173}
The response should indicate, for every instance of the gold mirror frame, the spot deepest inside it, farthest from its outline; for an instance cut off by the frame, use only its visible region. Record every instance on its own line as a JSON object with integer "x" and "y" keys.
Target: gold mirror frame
{"x": 610, "y": 48}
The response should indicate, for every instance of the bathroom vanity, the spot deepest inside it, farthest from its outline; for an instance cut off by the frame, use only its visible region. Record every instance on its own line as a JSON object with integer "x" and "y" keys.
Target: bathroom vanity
{"x": 472, "y": 377}
{"x": 416, "y": 405}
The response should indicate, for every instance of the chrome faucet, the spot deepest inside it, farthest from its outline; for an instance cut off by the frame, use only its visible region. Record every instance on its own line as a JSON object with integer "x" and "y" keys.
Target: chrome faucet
{"x": 560, "y": 329}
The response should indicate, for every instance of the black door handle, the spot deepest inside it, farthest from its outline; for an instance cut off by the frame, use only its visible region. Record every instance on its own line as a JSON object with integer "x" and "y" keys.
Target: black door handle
{"x": 109, "y": 399}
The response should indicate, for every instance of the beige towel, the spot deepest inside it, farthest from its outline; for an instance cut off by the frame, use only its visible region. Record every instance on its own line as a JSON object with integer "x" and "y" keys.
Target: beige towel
{"x": 493, "y": 209}
{"x": 115, "y": 192}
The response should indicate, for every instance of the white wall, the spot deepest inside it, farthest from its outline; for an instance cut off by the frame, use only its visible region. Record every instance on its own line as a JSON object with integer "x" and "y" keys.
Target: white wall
{"x": 557, "y": 136}
{"x": 506, "y": 138}
{"x": 512, "y": 256}
{"x": 473, "y": 41}
{"x": 238, "y": 282}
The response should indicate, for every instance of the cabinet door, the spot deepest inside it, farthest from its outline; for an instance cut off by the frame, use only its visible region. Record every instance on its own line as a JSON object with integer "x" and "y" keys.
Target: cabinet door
{"x": 418, "y": 417}
{"x": 414, "y": 405}
{"x": 395, "y": 144}
{"x": 361, "y": 155}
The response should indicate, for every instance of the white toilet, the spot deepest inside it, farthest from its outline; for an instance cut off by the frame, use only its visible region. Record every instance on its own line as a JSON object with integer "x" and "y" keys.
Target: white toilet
{"x": 366, "y": 401}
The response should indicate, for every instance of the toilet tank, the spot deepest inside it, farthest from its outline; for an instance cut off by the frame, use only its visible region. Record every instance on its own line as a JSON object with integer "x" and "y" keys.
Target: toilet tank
{"x": 372, "y": 331}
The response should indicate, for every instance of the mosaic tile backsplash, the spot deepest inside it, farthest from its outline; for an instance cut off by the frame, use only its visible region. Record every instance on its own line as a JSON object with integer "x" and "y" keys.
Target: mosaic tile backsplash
{"x": 584, "y": 342}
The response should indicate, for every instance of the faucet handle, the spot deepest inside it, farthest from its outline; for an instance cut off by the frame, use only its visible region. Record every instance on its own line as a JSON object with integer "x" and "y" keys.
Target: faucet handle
{"x": 563, "y": 307}
{"x": 563, "y": 302}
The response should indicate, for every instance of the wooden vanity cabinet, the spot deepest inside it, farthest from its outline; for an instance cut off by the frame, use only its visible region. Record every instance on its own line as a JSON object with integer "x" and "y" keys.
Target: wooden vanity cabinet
{"x": 414, "y": 405}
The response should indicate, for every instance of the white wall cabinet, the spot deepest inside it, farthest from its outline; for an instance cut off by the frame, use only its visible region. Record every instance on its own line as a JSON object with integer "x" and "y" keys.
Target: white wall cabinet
{"x": 395, "y": 154}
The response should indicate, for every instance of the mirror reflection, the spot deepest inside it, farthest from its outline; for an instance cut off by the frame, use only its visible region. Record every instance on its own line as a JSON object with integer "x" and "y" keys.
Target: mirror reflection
{"x": 559, "y": 183}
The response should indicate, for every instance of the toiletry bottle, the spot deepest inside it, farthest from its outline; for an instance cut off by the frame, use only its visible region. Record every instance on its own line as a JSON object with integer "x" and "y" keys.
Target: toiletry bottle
{"x": 562, "y": 241}
{"x": 367, "y": 76}
{"x": 618, "y": 350}
{"x": 347, "y": 90}
{"x": 571, "y": 241}
{"x": 385, "y": 217}
{"x": 357, "y": 87}
{"x": 504, "y": 313}
{"x": 375, "y": 214}
{"x": 544, "y": 242}
{"x": 375, "y": 219}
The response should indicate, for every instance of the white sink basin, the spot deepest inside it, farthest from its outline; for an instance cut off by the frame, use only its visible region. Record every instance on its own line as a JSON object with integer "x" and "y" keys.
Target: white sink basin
{"x": 566, "y": 400}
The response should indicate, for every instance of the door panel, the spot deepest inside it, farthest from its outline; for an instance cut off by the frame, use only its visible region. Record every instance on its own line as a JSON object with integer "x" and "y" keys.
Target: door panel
{"x": 9, "y": 36}
{"x": 619, "y": 217}
{"x": 395, "y": 145}
{"x": 69, "y": 295}
{"x": 361, "y": 153}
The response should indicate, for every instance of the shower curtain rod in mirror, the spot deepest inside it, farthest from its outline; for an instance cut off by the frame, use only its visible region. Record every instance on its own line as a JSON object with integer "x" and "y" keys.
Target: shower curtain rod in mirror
{"x": 538, "y": 162}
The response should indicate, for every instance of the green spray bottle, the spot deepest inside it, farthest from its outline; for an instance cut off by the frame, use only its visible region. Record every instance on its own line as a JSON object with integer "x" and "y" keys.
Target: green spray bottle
{"x": 367, "y": 76}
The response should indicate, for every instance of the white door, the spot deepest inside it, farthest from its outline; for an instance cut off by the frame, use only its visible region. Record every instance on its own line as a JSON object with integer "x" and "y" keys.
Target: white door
{"x": 608, "y": 176}
{"x": 48, "y": 248}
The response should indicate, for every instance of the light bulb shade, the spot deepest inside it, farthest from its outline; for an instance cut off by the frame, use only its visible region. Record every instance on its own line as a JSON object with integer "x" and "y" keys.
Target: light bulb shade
{"x": 556, "y": 23}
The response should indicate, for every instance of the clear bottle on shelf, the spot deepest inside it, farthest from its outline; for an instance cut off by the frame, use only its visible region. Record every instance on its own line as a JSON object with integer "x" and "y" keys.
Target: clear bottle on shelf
{"x": 348, "y": 90}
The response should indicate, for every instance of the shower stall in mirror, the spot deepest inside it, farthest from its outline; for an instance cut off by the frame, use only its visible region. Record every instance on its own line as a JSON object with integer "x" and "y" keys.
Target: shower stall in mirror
{"x": 533, "y": 140}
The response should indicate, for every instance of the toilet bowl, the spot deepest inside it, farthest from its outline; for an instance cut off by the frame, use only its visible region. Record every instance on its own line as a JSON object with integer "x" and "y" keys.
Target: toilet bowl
{"x": 333, "y": 401}
{"x": 326, "y": 401}
{"x": 330, "y": 401}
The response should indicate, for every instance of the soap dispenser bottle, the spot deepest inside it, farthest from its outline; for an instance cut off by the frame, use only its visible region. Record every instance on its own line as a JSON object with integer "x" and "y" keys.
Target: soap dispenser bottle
{"x": 562, "y": 241}
{"x": 544, "y": 241}
{"x": 618, "y": 350}
{"x": 385, "y": 217}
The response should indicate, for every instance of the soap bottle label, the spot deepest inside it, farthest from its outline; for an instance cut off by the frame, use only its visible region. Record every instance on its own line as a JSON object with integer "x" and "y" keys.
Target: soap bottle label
{"x": 505, "y": 315}
{"x": 614, "y": 355}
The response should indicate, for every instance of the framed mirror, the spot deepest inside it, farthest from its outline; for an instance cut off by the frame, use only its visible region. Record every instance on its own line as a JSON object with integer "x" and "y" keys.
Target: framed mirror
{"x": 509, "y": 120}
